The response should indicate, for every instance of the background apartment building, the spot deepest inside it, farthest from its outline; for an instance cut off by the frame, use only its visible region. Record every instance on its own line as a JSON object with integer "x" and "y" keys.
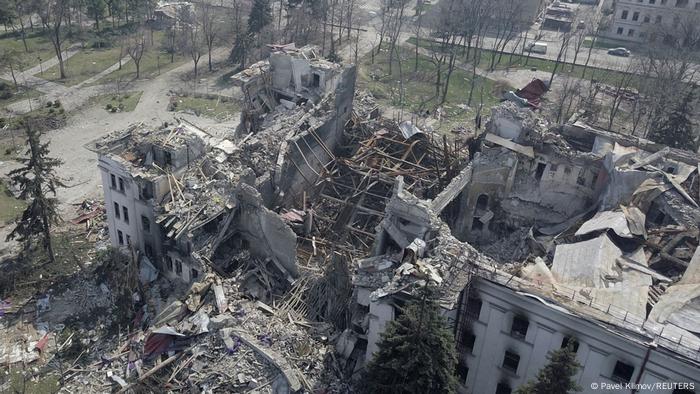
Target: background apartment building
{"x": 640, "y": 20}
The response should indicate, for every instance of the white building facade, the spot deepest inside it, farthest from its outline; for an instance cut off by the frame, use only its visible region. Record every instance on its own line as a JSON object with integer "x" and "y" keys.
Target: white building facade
{"x": 641, "y": 20}
{"x": 130, "y": 212}
{"x": 508, "y": 335}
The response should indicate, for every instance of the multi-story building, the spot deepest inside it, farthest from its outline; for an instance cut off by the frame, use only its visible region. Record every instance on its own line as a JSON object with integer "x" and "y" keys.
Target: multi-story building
{"x": 564, "y": 245}
{"x": 642, "y": 20}
{"x": 186, "y": 199}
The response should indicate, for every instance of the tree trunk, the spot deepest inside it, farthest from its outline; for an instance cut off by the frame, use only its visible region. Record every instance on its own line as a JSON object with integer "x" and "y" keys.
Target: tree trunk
{"x": 209, "y": 57}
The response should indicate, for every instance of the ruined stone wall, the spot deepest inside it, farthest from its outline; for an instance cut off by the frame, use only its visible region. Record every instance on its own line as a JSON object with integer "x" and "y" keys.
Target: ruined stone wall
{"x": 265, "y": 231}
{"x": 305, "y": 157}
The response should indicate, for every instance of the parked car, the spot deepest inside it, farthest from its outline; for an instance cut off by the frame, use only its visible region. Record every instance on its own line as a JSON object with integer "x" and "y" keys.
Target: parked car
{"x": 624, "y": 52}
{"x": 537, "y": 47}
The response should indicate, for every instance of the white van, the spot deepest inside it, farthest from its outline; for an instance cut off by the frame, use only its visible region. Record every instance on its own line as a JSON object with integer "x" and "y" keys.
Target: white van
{"x": 537, "y": 47}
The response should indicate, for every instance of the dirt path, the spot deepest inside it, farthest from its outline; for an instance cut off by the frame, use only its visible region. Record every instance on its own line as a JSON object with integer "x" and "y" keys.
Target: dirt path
{"x": 28, "y": 79}
{"x": 90, "y": 122}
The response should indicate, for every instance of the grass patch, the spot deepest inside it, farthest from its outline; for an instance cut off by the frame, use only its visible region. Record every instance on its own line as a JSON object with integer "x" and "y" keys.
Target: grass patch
{"x": 23, "y": 93}
{"x": 154, "y": 62}
{"x": 11, "y": 147}
{"x": 216, "y": 107}
{"x": 126, "y": 102}
{"x": 83, "y": 65}
{"x": 420, "y": 92}
{"x": 10, "y": 207}
{"x": 506, "y": 61}
{"x": 38, "y": 44}
{"x": 48, "y": 117}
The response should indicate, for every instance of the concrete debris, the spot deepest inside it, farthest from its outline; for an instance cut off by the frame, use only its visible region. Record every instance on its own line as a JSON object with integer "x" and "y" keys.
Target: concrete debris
{"x": 272, "y": 260}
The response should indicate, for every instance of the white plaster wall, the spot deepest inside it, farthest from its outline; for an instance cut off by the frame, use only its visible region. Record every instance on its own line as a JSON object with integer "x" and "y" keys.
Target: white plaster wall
{"x": 598, "y": 351}
{"x": 379, "y": 315}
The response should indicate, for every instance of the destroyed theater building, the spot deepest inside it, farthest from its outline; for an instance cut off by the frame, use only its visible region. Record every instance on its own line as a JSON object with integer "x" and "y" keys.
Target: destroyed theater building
{"x": 318, "y": 212}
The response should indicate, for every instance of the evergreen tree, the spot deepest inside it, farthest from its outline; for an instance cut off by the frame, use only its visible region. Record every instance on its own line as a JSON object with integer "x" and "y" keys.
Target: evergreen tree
{"x": 260, "y": 16}
{"x": 676, "y": 129}
{"x": 416, "y": 354}
{"x": 556, "y": 376}
{"x": 36, "y": 180}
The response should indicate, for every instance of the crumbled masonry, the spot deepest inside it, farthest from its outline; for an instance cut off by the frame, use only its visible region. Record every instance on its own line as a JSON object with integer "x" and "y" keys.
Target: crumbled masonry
{"x": 271, "y": 260}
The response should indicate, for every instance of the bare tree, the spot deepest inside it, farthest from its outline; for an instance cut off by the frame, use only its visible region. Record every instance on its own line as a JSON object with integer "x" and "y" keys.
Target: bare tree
{"x": 52, "y": 13}
{"x": 20, "y": 8}
{"x": 210, "y": 29}
{"x": 567, "y": 98}
{"x": 578, "y": 38}
{"x": 621, "y": 83}
{"x": 506, "y": 17}
{"x": 135, "y": 49}
{"x": 11, "y": 61}
{"x": 565, "y": 38}
{"x": 192, "y": 38}
{"x": 597, "y": 24}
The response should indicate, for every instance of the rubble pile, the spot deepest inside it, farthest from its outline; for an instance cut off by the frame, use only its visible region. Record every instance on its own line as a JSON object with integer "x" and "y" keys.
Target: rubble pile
{"x": 211, "y": 339}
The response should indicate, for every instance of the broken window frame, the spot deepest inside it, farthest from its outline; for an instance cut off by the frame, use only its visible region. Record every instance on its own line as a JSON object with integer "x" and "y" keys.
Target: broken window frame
{"x": 462, "y": 371}
{"x": 622, "y": 372}
{"x": 568, "y": 339}
{"x": 145, "y": 223}
{"x": 472, "y": 308}
{"x": 511, "y": 361}
{"x": 503, "y": 388}
{"x": 516, "y": 327}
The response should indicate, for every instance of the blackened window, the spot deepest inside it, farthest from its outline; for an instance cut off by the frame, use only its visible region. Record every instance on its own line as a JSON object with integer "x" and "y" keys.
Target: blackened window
{"x": 116, "y": 210}
{"x": 468, "y": 339}
{"x": 568, "y": 340}
{"x": 128, "y": 239}
{"x": 114, "y": 181}
{"x": 120, "y": 237}
{"x": 126, "y": 214}
{"x": 473, "y": 308}
{"x": 519, "y": 327}
{"x": 619, "y": 30}
{"x": 635, "y": 16}
{"x": 511, "y": 361}
{"x": 622, "y": 372}
{"x": 178, "y": 267}
{"x": 121, "y": 184}
{"x": 194, "y": 274}
{"x": 169, "y": 263}
{"x": 146, "y": 224}
{"x": 503, "y": 388}
{"x": 462, "y": 371}
{"x": 624, "y": 14}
